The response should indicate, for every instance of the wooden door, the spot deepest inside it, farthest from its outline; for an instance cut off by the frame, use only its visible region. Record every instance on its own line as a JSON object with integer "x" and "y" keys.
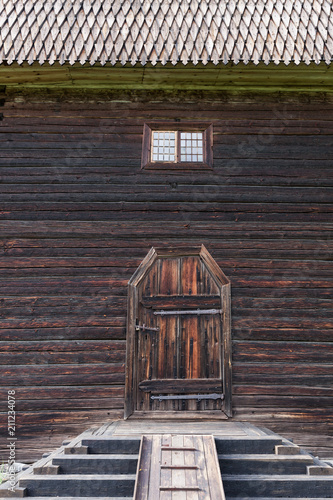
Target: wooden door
{"x": 178, "y": 314}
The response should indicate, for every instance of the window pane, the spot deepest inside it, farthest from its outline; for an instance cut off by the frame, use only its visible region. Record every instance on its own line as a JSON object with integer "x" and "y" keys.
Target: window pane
{"x": 163, "y": 148}
{"x": 191, "y": 146}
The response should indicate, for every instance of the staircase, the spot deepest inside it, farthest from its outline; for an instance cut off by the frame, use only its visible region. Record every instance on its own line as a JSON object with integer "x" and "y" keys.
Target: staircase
{"x": 262, "y": 467}
{"x": 271, "y": 468}
{"x": 93, "y": 468}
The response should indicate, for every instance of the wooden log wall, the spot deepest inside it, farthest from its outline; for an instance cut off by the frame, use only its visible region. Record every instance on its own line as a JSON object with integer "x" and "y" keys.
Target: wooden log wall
{"x": 78, "y": 215}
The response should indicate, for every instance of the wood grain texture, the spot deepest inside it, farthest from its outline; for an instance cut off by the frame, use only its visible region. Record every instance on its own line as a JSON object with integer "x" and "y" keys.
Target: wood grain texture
{"x": 178, "y": 467}
{"x": 177, "y": 348}
{"x": 78, "y": 216}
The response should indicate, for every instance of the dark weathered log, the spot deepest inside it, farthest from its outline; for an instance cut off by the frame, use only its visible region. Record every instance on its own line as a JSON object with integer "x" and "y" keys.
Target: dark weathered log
{"x": 104, "y": 392}
{"x": 62, "y": 358}
{"x": 78, "y": 216}
{"x": 283, "y": 351}
{"x": 64, "y": 333}
{"x": 284, "y": 334}
{"x": 287, "y": 369}
{"x": 288, "y": 390}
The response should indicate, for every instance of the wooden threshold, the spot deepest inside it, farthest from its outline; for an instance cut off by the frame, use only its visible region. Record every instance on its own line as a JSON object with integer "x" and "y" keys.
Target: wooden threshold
{"x": 184, "y": 464}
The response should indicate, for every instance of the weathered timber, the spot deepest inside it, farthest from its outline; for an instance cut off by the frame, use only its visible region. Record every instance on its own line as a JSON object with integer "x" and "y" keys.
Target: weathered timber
{"x": 173, "y": 386}
{"x": 78, "y": 216}
{"x": 178, "y": 465}
{"x": 179, "y": 346}
{"x": 181, "y": 301}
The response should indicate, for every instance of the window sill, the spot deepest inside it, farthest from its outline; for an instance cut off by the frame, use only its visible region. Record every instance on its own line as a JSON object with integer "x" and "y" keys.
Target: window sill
{"x": 177, "y": 166}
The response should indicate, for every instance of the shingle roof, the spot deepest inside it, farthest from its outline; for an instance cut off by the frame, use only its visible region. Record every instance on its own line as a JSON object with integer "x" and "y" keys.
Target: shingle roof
{"x": 141, "y": 31}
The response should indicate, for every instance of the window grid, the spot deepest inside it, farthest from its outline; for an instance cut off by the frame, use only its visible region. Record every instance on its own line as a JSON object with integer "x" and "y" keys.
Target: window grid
{"x": 191, "y": 146}
{"x": 164, "y": 146}
{"x": 176, "y": 146}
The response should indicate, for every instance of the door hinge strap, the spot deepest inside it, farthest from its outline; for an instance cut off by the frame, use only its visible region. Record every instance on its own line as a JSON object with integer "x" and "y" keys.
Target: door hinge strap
{"x": 188, "y": 311}
{"x": 198, "y": 397}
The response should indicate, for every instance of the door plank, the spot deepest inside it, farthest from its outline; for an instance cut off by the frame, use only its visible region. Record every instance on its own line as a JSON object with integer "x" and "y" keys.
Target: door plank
{"x": 191, "y": 277}
{"x": 168, "y": 361}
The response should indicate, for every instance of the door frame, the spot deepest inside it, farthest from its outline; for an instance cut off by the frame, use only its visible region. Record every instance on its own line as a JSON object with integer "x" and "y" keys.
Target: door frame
{"x": 223, "y": 283}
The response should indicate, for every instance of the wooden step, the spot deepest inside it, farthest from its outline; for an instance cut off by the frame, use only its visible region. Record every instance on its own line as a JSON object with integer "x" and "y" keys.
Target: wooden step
{"x": 320, "y": 470}
{"x": 247, "y": 445}
{"x": 102, "y": 445}
{"x": 182, "y": 464}
{"x": 76, "y": 450}
{"x": 90, "y": 464}
{"x": 129, "y": 497}
{"x": 289, "y": 449}
{"x": 18, "y": 492}
{"x": 77, "y": 485}
{"x": 47, "y": 470}
{"x": 297, "y": 486}
{"x": 264, "y": 464}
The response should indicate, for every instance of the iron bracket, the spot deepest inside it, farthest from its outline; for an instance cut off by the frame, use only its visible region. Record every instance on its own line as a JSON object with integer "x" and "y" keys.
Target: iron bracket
{"x": 198, "y": 397}
{"x": 197, "y": 312}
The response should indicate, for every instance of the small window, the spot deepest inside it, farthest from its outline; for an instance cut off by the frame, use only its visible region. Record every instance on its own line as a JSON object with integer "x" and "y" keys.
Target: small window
{"x": 185, "y": 146}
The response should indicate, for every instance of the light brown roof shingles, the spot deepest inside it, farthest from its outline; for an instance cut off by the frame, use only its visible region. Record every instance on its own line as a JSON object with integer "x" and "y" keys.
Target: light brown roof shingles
{"x": 185, "y": 31}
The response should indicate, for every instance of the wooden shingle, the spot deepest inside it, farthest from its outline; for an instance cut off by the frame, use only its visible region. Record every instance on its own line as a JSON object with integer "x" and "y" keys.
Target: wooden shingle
{"x": 164, "y": 31}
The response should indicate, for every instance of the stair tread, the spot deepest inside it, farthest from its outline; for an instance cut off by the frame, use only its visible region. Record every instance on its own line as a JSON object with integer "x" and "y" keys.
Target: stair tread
{"x": 111, "y": 439}
{"x": 284, "y": 477}
{"x": 96, "y": 456}
{"x": 249, "y": 438}
{"x": 63, "y": 477}
{"x": 261, "y": 457}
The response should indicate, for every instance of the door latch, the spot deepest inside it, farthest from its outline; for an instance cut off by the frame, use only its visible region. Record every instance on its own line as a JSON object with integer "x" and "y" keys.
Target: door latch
{"x": 145, "y": 328}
